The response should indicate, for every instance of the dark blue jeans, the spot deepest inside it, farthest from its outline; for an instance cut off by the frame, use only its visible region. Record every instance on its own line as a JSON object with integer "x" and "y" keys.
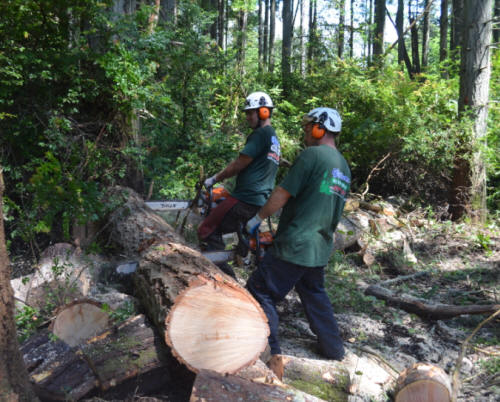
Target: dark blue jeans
{"x": 272, "y": 281}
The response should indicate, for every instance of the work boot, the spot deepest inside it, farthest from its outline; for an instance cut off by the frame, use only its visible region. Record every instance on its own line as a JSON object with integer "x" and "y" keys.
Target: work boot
{"x": 275, "y": 363}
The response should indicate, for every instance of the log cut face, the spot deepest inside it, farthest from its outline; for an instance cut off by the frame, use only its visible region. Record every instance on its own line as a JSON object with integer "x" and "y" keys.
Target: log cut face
{"x": 210, "y": 321}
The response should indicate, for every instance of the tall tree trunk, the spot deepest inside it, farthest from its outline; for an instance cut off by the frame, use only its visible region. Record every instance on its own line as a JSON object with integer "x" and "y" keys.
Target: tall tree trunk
{"x": 168, "y": 11}
{"x": 153, "y": 18}
{"x": 272, "y": 33}
{"x": 457, "y": 28}
{"x": 301, "y": 39}
{"x": 378, "y": 40}
{"x": 369, "y": 33}
{"x": 496, "y": 28}
{"x": 351, "y": 37}
{"x": 400, "y": 15}
{"x": 312, "y": 33}
{"x": 468, "y": 194}
{"x": 340, "y": 51}
{"x": 265, "y": 49}
{"x": 414, "y": 41}
{"x": 14, "y": 383}
{"x": 443, "y": 36}
{"x": 220, "y": 24}
{"x": 260, "y": 36}
{"x": 286, "y": 51}
{"x": 242, "y": 38}
{"x": 425, "y": 35}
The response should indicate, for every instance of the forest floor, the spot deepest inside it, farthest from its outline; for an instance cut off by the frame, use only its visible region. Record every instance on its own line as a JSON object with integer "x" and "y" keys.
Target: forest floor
{"x": 461, "y": 262}
{"x": 462, "y": 266}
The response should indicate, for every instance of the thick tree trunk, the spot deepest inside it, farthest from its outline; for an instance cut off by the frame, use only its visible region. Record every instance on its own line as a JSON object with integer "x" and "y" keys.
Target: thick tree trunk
{"x": 351, "y": 36}
{"x": 468, "y": 194}
{"x": 457, "y": 27}
{"x": 426, "y": 310}
{"x": 400, "y": 29}
{"x": 378, "y": 39}
{"x": 205, "y": 316}
{"x": 496, "y": 28}
{"x": 14, "y": 384}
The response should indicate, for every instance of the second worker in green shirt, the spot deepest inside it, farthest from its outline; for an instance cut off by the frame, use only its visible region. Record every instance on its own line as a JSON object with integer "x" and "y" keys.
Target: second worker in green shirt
{"x": 312, "y": 196}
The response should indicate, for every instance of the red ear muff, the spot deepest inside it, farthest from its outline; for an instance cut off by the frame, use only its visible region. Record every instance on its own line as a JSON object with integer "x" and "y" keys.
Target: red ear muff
{"x": 317, "y": 132}
{"x": 264, "y": 113}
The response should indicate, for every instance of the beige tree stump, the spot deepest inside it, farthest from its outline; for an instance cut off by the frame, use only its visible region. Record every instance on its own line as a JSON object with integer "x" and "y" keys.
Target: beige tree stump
{"x": 423, "y": 383}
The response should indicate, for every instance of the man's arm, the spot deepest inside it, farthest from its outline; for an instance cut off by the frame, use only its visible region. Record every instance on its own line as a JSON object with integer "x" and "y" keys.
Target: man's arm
{"x": 277, "y": 200}
{"x": 235, "y": 167}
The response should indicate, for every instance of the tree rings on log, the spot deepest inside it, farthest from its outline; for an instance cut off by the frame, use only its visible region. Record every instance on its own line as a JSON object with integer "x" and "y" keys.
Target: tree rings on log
{"x": 423, "y": 383}
{"x": 216, "y": 326}
{"x": 78, "y": 321}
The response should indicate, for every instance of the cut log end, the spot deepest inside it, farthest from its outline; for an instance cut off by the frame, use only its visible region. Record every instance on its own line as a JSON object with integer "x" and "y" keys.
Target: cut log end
{"x": 217, "y": 326}
{"x": 423, "y": 383}
{"x": 78, "y": 321}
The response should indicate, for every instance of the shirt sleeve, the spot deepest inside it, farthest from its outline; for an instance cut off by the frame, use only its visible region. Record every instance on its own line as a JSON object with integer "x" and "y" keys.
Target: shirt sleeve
{"x": 256, "y": 144}
{"x": 298, "y": 174}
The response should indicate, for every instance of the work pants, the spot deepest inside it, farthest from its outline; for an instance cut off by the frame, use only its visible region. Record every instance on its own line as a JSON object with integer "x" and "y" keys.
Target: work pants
{"x": 271, "y": 282}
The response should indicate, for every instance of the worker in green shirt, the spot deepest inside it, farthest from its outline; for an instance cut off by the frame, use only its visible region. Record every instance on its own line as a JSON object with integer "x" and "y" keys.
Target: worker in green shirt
{"x": 312, "y": 196}
{"x": 255, "y": 170}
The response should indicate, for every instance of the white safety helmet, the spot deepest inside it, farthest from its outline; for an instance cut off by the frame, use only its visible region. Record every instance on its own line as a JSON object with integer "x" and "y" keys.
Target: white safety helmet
{"x": 257, "y": 100}
{"x": 327, "y": 118}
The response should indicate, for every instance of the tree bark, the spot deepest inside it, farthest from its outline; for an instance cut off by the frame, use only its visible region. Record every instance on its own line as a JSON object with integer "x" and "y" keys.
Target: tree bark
{"x": 496, "y": 29}
{"x": 414, "y": 41}
{"x": 340, "y": 51}
{"x": 265, "y": 49}
{"x": 210, "y": 386}
{"x": 205, "y": 316}
{"x": 123, "y": 353}
{"x": 443, "y": 36}
{"x": 351, "y": 36}
{"x": 260, "y": 36}
{"x": 378, "y": 40}
{"x": 457, "y": 28}
{"x": 311, "y": 46}
{"x": 400, "y": 29}
{"x": 286, "y": 51}
{"x": 272, "y": 30}
{"x": 423, "y": 309}
{"x": 168, "y": 11}
{"x": 425, "y": 35}
{"x": 14, "y": 383}
{"x": 468, "y": 193}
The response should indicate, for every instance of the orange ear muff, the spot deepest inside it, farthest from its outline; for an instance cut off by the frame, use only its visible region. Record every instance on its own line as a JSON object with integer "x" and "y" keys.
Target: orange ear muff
{"x": 264, "y": 113}
{"x": 317, "y": 132}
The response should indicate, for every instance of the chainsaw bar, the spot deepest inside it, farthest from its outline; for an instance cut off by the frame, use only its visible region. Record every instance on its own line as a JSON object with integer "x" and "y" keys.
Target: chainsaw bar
{"x": 168, "y": 205}
{"x": 219, "y": 256}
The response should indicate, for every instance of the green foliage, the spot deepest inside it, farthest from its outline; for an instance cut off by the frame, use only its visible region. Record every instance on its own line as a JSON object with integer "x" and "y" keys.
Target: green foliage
{"x": 27, "y": 321}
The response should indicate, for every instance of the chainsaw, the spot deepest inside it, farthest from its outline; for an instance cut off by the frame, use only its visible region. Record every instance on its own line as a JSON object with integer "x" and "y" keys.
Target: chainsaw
{"x": 202, "y": 203}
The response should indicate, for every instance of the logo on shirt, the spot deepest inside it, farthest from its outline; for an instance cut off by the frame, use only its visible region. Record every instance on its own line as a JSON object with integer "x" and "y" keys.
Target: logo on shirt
{"x": 274, "y": 151}
{"x": 335, "y": 182}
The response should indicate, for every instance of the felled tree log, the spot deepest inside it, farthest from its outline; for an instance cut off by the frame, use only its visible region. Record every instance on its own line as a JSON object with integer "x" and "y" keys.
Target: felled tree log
{"x": 423, "y": 309}
{"x": 61, "y": 372}
{"x": 211, "y": 386}
{"x": 206, "y": 317}
{"x": 423, "y": 383}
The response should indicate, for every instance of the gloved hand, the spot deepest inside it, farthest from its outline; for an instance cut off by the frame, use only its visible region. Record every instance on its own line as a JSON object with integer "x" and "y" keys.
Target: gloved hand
{"x": 253, "y": 224}
{"x": 210, "y": 181}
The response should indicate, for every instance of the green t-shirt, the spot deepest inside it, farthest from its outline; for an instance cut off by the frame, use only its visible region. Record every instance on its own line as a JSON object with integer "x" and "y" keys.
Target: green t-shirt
{"x": 319, "y": 183}
{"x": 255, "y": 183}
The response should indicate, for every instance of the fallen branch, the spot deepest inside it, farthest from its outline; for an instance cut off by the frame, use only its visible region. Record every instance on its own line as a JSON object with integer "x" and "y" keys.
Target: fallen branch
{"x": 419, "y": 307}
{"x": 403, "y": 278}
{"x": 458, "y": 364}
